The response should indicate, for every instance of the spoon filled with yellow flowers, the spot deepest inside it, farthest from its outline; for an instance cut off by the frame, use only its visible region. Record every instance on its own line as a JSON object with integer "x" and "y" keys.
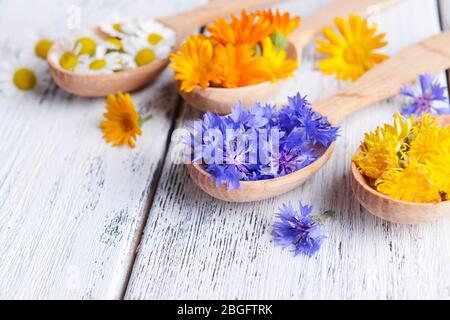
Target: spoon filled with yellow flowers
{"x": 401, "y": 173}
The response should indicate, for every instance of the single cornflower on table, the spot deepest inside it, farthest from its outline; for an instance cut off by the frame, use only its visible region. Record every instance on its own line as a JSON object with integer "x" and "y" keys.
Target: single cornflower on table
{"x": 350, "y": 50}
{"x": 430, "y": 99}
{"x": 409, "y": 161}
{"x": 237, "y": 53}
{"x": 300, "y": 229}
{"x": 123, "y": 123}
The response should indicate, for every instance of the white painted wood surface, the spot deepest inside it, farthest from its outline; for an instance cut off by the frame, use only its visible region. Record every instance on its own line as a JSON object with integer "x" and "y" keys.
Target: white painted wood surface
{"x": 197, "y": 247}
{"x": 72, "y": 209}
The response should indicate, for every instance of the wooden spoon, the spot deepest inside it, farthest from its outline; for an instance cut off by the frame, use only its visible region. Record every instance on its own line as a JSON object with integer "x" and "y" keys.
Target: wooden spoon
{"x": 131, "y": 80}
{"x": 222, "y": 100}
{"x": 393, "y": 210}
{"x": 382, "y": 82}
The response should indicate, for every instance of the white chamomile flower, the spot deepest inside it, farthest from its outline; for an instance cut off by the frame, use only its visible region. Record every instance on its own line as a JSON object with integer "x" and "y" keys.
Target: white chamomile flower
{"x": 40, "y": 44}
{"x": 23, "y": 74}
{"x": 156, "y": 33}
{"x": 70, "y": 49}
{"x": 66, "y": 54}
{"x": 139, "y": 53}
{"x": 86, "y": 42}
{"x": 102, "y": 62}
{"x": 114, "y": 30}
{"x": 113, "y": 44}
{"x": 151, "y": 31}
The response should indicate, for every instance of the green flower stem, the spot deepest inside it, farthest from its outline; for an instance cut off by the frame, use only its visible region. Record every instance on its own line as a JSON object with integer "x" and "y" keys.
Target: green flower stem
{"x": 324, "y": 217}
{"x": 143, "y": 120}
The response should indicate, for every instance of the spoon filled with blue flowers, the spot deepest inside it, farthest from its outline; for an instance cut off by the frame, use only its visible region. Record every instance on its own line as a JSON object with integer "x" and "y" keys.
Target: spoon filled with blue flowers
{"x": 260, "y": 153}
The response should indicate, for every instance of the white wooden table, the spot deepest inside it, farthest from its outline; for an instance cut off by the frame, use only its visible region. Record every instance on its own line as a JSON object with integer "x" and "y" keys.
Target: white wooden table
{"x": 80, "y": 219}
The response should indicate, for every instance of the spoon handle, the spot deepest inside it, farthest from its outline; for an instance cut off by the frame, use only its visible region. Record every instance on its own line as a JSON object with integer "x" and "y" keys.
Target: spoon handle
{"x": 386, "y": 79}
{"x": 186, "y": 22}
{"x": 312, "y": 26}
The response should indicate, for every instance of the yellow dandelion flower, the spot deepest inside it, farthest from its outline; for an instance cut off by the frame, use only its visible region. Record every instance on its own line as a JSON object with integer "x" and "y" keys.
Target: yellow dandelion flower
{"x": 123, "y": 122}
{"x": 425, "y": 124}
{"x": 384, "y": 148}
{"x": 425, "y": 138}
{"x": 408, "y": 184}
{"x": 193, "y": 63}
{"x": 280, "y": 66}
{"x": 438, "y": 167}
{"x": 248, "y": 29}
{"x": 237, "y": 66}
{"x": 352, "y": 52}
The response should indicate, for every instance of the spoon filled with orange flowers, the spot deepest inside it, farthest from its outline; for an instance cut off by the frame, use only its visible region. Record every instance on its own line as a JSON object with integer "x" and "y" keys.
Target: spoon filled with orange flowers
{"x": 382, "y": 82}
{"x": 128, "y": 55}
{"x": 252, "y": 56}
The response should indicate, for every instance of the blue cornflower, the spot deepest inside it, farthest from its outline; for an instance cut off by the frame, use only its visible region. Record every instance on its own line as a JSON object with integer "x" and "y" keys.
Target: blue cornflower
{"x": 316, "y": 127}
{"x": 427, "y": 101}
{"x": 227, "y": 174}
{"x": 298, "y": 229}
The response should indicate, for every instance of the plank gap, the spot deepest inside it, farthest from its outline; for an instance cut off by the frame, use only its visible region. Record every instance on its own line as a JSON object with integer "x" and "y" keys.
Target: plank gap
{"x": 151, "y": 194}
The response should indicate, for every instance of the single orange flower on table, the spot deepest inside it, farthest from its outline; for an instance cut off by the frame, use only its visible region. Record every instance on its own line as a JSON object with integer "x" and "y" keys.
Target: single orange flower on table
{"x": 123, "y": 122}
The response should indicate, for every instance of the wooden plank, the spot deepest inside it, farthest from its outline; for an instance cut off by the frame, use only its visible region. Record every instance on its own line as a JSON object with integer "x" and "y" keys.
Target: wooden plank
{"x": 444, "y": 10}
{"x": 197, "y": 247}
{"x": 71, "y": 207}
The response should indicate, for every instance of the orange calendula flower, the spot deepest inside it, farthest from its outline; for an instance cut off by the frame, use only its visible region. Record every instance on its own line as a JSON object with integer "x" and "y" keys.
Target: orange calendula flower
{"x": 280, "y": 66}
{"x": 352, "y": 51}
{"x": 237, "y": 66}
{"x": 248, "y": 29}
{"x": 282, "y": 23}
{"x": 193, "y": 64}
{"x": 408, "y": 184}
{"x": 123, "y": 122}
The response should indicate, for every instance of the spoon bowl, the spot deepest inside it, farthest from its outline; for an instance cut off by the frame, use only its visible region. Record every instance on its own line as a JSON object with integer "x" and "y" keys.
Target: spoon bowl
{"x": 222, "y": 100}
{"x": 257, "y": 190}
{"x": 88, "y": 85}
{"x": 380, "y": 83}
{"x": 393, "y": 210}
{"x": 100, "y": 85}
